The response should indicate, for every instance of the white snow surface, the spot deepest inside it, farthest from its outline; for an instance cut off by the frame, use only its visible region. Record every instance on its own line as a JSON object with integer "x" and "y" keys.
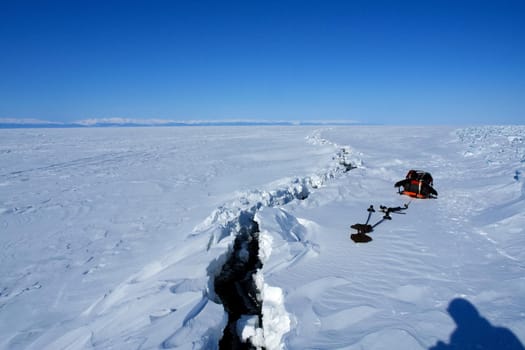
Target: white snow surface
{"x": 111, "y": 238}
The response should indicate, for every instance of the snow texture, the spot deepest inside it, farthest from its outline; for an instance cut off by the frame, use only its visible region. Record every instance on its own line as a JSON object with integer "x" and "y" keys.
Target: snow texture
{"x": 113, "y": 237}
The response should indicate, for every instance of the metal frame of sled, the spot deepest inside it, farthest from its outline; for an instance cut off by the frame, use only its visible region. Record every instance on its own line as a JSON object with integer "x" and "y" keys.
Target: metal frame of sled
{"x": 361, "y": 236}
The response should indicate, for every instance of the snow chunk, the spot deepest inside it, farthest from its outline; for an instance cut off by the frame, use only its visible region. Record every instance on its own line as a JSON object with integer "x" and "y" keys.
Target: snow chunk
{"x": 276, "y": 321}
{"x": 248, "y": 330}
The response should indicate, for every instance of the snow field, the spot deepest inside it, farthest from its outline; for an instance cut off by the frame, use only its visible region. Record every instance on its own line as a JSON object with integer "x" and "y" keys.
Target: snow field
{"x": 420, "y": 261}
{"x": 116, "y": 242}
{"x": 107, "y": 224}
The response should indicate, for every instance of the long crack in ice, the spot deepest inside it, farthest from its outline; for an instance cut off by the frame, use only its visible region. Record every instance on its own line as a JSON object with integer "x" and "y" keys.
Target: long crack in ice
{"x": 257, "y": 318}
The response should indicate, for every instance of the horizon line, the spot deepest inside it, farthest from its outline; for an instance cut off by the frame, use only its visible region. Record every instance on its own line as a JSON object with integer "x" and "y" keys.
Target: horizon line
{"x": 7, "y": 123}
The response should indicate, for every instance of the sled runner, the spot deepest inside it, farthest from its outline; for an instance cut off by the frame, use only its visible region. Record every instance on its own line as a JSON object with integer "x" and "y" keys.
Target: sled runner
{"x": 417, "y": 184}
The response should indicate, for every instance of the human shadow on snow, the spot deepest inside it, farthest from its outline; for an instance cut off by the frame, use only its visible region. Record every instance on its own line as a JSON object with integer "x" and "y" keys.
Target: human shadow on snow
{"x": 475, "y": 332}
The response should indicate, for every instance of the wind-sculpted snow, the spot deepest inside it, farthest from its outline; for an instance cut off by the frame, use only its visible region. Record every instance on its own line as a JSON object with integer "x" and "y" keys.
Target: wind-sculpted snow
{"x": 113, "y": 238}
{"x": 496, "y": 144}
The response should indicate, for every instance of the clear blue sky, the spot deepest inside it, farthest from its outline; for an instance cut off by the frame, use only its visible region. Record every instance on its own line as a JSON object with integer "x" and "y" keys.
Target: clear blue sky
{"x": 393, "y": 62}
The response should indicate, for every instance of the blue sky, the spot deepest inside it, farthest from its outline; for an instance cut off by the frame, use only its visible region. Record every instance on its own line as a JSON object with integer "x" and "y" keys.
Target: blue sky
{"x": 388, "y": 62}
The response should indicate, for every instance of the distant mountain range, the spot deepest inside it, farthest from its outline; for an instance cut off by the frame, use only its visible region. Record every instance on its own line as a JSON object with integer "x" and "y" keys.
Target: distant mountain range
{"x": 10, "y": 123}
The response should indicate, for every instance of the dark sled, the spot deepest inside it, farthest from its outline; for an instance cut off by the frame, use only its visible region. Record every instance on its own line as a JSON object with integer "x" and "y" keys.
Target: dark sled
{"x": 362, "y": 229}
{"x": 360, "y": 238}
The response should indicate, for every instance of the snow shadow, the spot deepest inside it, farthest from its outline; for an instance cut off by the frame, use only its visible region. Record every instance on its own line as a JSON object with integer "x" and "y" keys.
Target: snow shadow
{"x": 475, "y": 332}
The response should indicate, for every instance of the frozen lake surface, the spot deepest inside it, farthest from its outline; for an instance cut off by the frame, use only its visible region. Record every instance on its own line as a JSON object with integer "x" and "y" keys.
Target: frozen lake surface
{"x": 114, "y": 237}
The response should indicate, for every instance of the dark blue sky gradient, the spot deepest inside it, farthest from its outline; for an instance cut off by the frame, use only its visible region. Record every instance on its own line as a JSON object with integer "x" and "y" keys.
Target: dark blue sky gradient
{"x": 392, "y": 62}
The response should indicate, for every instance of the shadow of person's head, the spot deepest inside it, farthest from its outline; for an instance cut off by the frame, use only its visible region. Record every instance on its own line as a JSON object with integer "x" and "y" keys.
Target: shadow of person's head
{"x": 473, "y": 331}
{"x": 463, "y": 312}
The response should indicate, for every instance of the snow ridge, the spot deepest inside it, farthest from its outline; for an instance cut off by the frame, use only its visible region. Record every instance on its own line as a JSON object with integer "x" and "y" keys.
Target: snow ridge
{"x": 496, "y": 144}
{"x": 239, "y": 219}
{"x": 498, "y": 147}
{"x": 248, "y": 203}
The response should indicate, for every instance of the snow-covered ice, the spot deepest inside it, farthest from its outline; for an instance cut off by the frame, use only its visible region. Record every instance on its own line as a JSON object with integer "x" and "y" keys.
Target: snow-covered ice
{"x": 113, "y": 237}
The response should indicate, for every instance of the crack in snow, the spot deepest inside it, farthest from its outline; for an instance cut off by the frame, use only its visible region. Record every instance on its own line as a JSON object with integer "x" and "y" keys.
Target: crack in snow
{"x": 236, "y": 286}
{"x": 238, "y": 283}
